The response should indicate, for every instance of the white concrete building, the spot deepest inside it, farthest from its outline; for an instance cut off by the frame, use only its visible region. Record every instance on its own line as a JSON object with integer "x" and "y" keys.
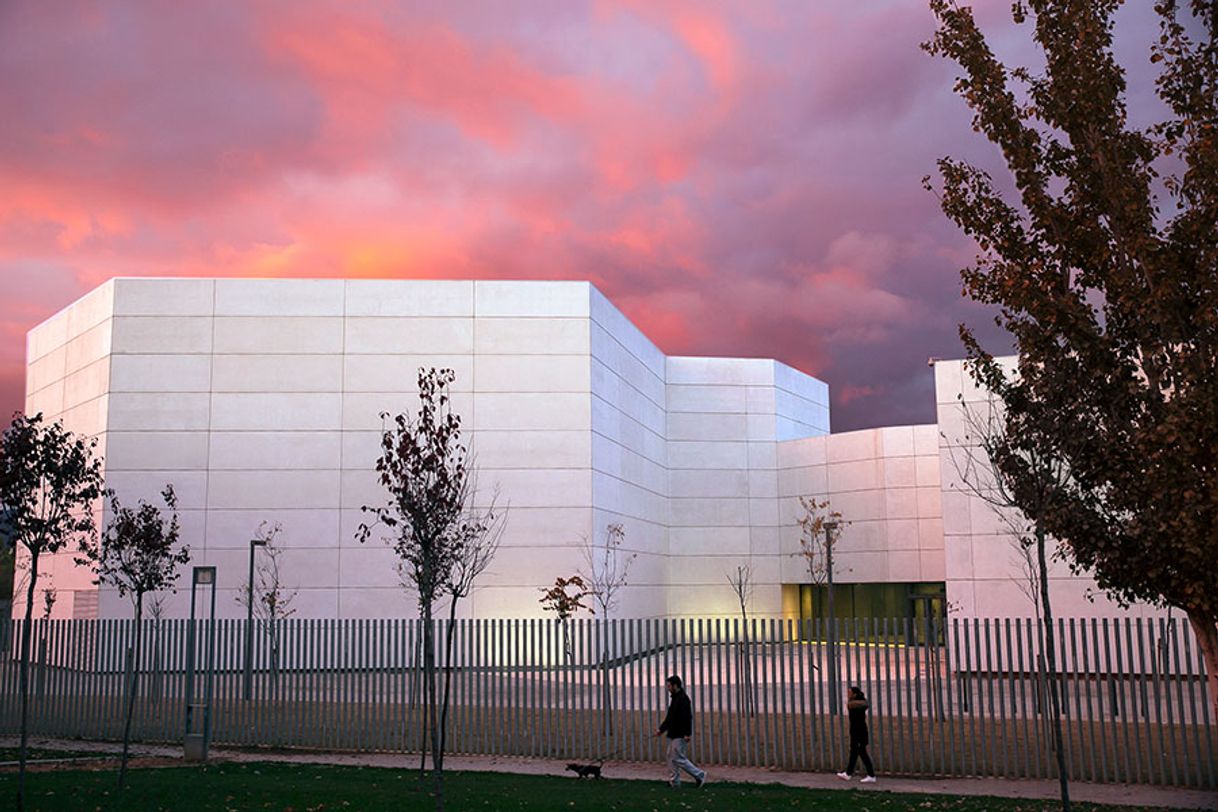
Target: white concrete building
{"x": 259, "y": 400}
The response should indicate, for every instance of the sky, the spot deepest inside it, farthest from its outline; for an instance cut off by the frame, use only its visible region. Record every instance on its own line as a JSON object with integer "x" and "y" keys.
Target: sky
{"x": 741, "y": 179}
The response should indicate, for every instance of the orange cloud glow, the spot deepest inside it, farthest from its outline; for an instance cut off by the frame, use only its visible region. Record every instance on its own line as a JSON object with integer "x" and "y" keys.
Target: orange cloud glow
{"x": 740, "y": 178}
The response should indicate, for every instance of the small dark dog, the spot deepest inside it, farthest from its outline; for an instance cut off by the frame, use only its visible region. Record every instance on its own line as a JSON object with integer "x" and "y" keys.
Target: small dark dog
{"x": 585, "y": 770}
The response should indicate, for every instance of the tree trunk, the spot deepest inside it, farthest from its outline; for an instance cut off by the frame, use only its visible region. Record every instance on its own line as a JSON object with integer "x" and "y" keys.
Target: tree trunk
{"x": 157, "y": 691}
{"x": 448, "y": 678}
{"x": 272, "y": 626}
{"x": 606, "y": 691}
{"x": 133, "y": 657}
{"x": 25, "y": 679}
{"x": 1205, "y": 626}
{"x": 429, "y": 678}
{"x": 1050, "y": 647}
{"x": 418, "y": 684}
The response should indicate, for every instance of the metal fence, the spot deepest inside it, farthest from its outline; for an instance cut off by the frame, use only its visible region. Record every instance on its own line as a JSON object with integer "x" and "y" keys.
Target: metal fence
{"x": 963, "y": 698}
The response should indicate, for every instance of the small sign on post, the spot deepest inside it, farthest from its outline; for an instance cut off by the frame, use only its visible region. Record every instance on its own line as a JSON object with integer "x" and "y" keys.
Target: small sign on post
{"x": 198, "y": 714}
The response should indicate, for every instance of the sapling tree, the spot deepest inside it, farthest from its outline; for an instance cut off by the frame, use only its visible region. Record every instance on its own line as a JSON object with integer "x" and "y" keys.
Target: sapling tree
{"x": 741, "y": 582}
{"x": 819, "y": 527}
{"x": 564, "y": 599}
{"x": 1042, "y": 483}
{"x": 428, "y": 517}
{"x": 156, "y": 613}
{"x": 49, "y": 482}
{"x": 138, "y": 553}
{"x": 477, "y": 538}
{"x": 272, "y": 598}
{"x": 608, "y": 568}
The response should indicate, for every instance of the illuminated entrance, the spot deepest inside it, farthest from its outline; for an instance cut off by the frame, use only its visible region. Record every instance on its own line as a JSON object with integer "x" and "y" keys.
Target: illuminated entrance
{"x": 863, "y": 609}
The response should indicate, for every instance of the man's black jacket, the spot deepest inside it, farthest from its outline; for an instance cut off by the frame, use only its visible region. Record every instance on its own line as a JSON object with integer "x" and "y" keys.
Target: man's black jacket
{"x": 679, "y": 721}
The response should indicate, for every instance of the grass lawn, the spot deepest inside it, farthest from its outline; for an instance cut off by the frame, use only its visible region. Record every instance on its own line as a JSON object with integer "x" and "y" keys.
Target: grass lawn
{"x": 297, "y": 788}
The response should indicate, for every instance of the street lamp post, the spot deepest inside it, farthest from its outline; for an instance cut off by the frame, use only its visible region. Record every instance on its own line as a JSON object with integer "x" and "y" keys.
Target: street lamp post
{"x": 830, "y": 527}
{"x": 197, "y": 743}
{"x": 249, "y": 622}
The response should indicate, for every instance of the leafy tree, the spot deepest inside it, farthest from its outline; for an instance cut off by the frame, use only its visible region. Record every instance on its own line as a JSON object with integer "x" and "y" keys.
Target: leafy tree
{"x": 1104, "y": 270}
{"x": 272, "y": 599}
{"x": 564, "y": 604}
{"x": 426, "y": 471}
{"x": 136, "y": 556}
{"x": 49, "y": 481}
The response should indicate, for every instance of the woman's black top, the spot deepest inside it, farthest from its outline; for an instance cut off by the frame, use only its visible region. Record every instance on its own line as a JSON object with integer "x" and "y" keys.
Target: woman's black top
{"x": 858, "y": 720}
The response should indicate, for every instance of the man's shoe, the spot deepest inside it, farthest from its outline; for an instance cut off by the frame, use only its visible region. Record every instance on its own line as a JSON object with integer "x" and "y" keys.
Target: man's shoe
{"x": 843, "y": 776}
{"x": 868, "y": 780}
{"x": 701, "y": 781}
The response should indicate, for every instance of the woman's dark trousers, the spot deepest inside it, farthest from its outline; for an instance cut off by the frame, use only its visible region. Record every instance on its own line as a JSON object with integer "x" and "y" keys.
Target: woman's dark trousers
{"x": 859, "y": 750}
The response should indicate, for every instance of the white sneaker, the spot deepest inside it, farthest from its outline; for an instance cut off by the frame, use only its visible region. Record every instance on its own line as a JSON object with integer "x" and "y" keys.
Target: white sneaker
{"x": 868, "y": 780}
{"x": 843, "y": 776}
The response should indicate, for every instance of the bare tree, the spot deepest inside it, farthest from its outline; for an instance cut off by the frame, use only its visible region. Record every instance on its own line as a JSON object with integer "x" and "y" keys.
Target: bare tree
{"x": 608, "y": 566}
{"x": 426, "y": 471}
{"x": 1044, "y": 479}
{"x": 607, "y": 569}
{"x": 49, "y": 482}
{"x": 272, "y": 598}
{"x": 741, "y": 582}
{"x": 136, "y": 556}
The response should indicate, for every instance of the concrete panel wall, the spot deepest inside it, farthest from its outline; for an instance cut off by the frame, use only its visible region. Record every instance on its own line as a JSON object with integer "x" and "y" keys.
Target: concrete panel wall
{"x": 260, "y": 400}
{"x": 68, "y": 379}
{"x": 630, "y": 482}
{"x": 885, "y": 484}
{"x": 725, "y": 419}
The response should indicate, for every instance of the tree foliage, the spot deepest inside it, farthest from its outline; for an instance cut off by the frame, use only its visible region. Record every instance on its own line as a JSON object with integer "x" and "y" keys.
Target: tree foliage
{"x": 136, "y": 556}
{"x": 564, "y": 599}
{"x": 135, "y": 553}
{"x": 1104, "y": 270}
{"x": 49, "y": 482}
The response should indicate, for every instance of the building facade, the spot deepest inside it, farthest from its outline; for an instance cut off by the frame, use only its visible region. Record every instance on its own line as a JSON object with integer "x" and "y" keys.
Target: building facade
{"x": 261, "y": 401}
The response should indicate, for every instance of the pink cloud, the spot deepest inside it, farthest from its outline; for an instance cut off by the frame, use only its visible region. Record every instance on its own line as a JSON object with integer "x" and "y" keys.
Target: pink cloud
{"x": 741, "y": 178}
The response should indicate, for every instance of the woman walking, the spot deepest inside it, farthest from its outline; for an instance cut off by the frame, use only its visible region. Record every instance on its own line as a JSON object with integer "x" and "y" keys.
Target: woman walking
{"x": 857, "y": 707}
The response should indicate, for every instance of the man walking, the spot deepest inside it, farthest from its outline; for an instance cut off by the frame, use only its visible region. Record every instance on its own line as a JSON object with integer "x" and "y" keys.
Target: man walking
{"x": 679, "y": 724}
